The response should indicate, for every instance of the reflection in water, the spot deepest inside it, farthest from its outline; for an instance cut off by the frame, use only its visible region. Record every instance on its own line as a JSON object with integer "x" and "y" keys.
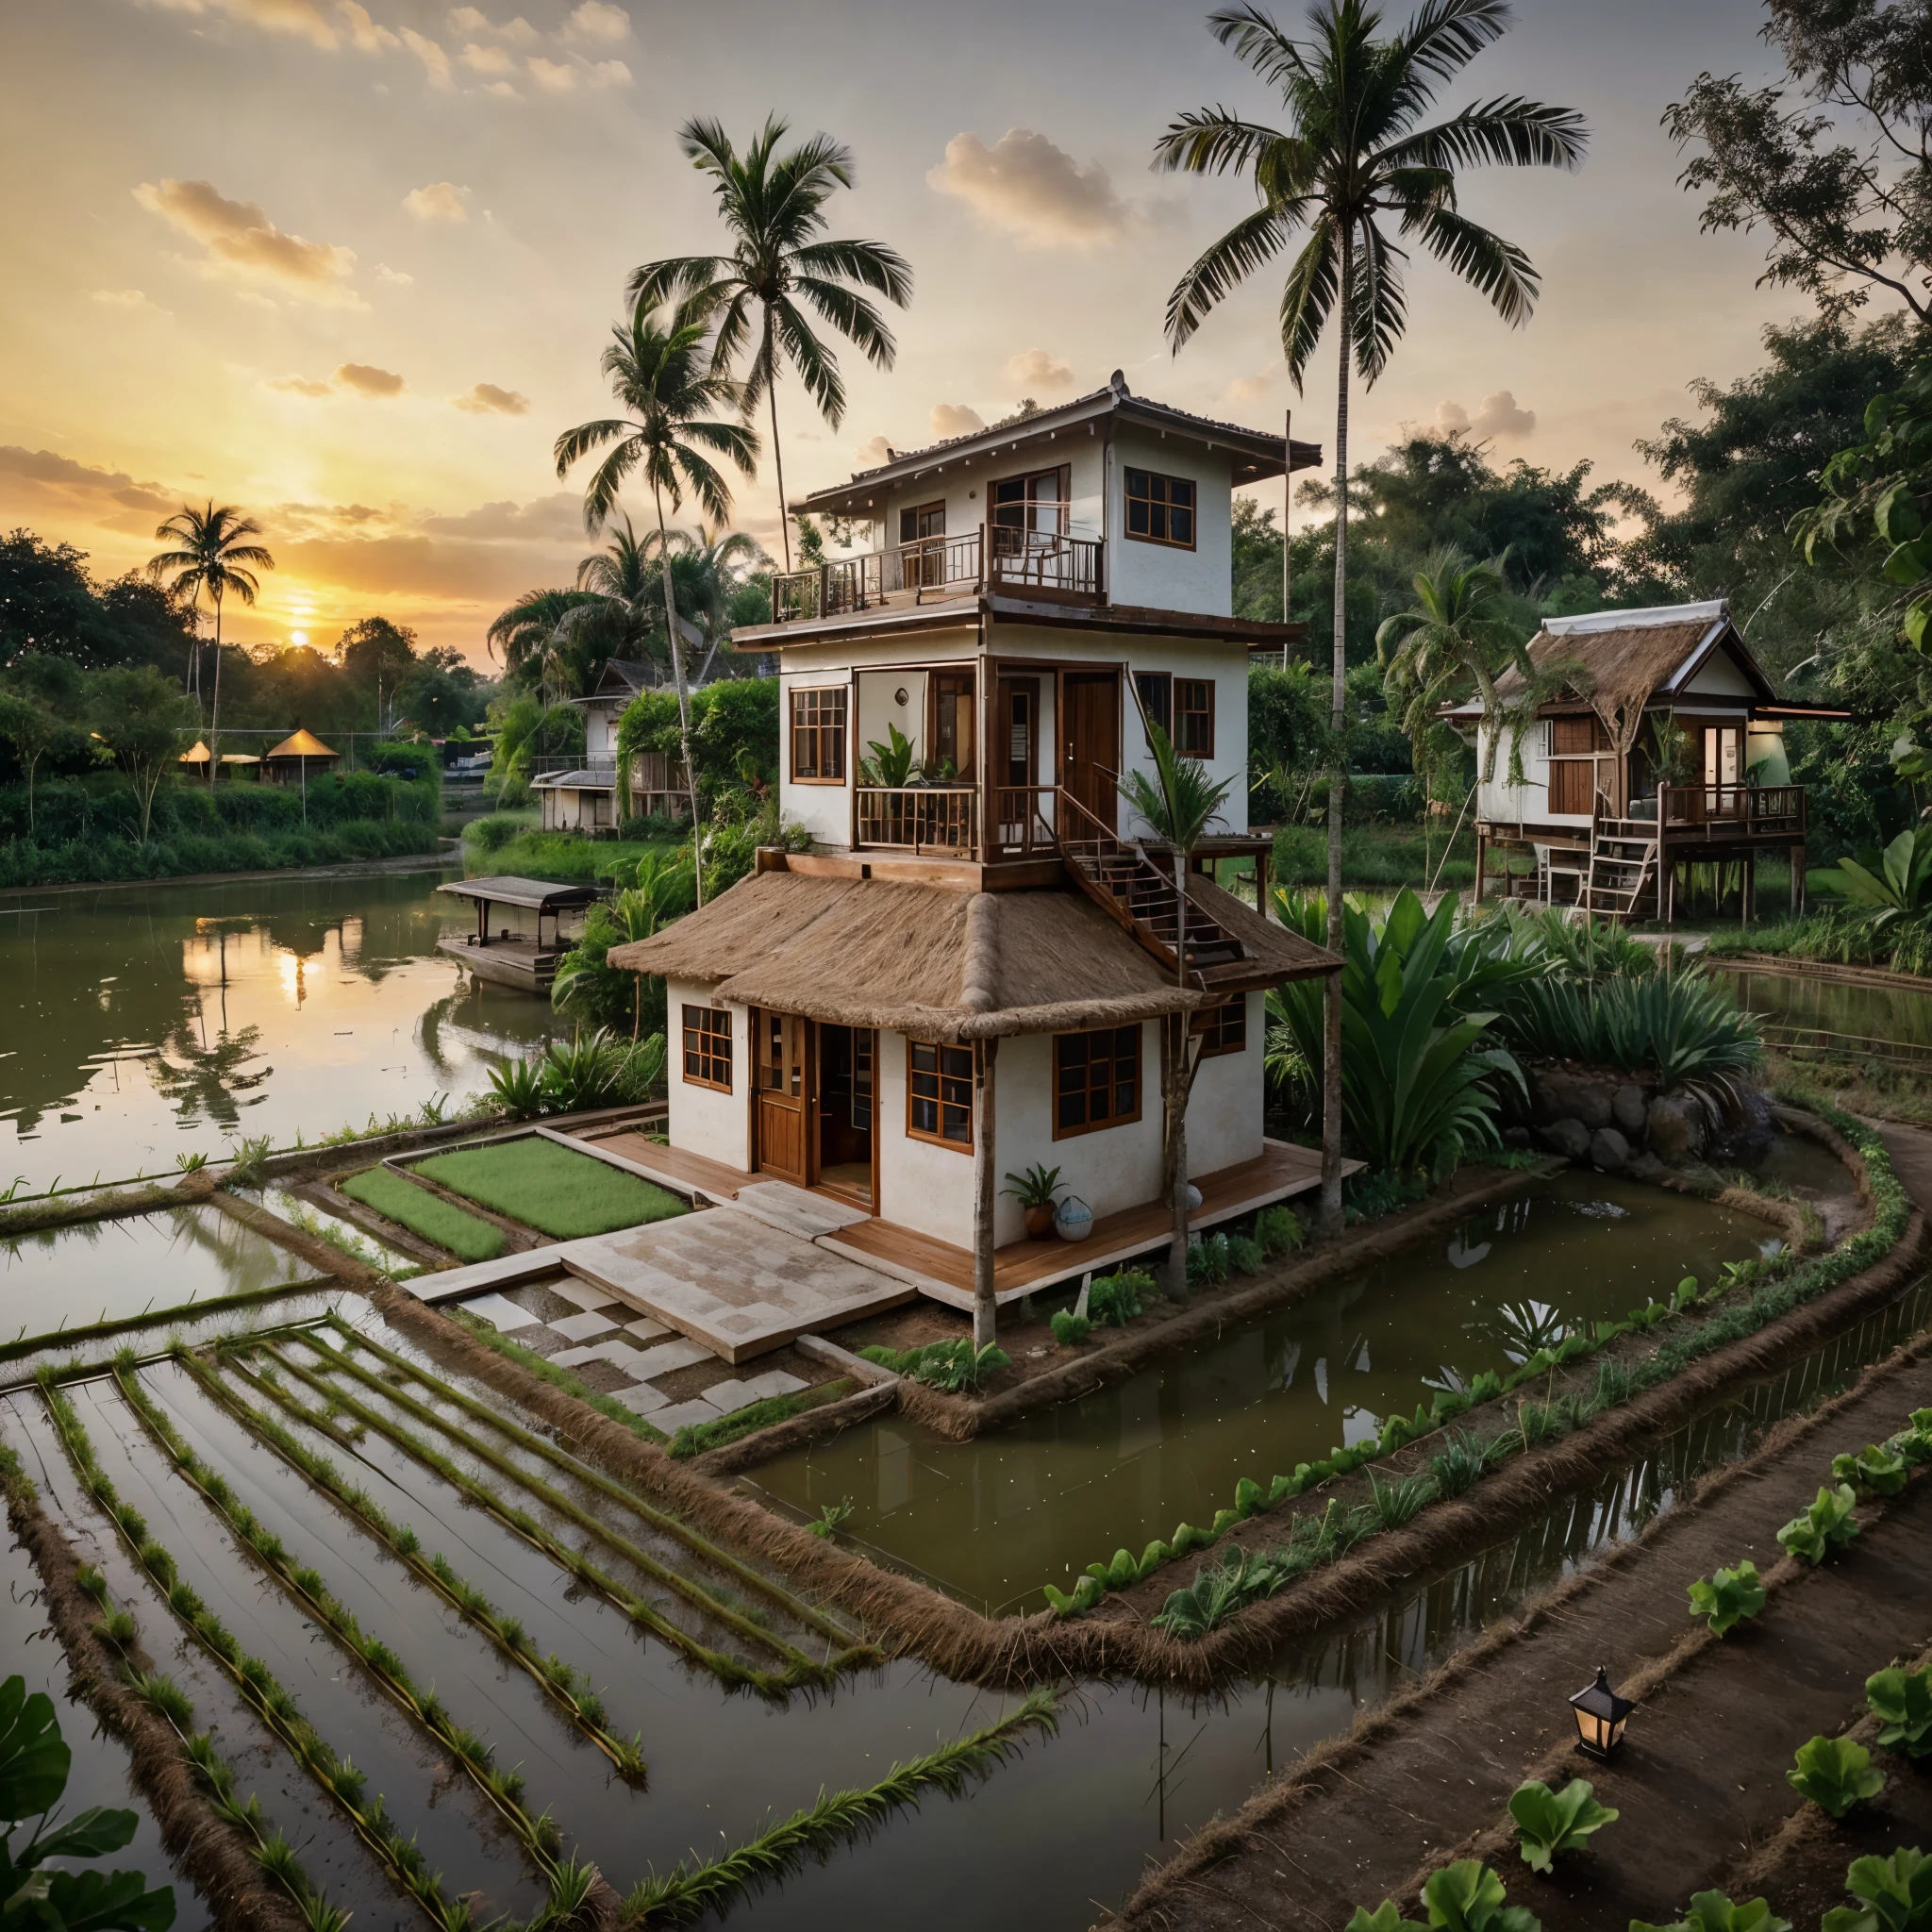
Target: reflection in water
{"x": 1862, "y": 1012}
{"x": 996, "y": 1518}
{"x": 153, "y": 1021}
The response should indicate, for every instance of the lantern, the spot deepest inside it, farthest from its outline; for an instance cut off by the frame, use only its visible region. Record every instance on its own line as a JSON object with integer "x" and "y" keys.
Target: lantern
{"x": 1601, "y": 1716}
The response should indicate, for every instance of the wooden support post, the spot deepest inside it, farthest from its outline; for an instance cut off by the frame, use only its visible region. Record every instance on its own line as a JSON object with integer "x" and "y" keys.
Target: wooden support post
{"x": 984, "y": 1168}
{"x": 1482, "y": 849}
{"x": 1331, "y": 1106}
{"x": 1797, "y": 881}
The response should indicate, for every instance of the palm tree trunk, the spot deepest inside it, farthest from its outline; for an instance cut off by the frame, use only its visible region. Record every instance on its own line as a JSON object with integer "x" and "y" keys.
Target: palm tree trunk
{"x": 777, "y": 455}
{"x": 1338, "y": 784}
{"x": 691, "y": 770}
{"x": 1174, "y": 1083}
{"x": 214, "y": 716}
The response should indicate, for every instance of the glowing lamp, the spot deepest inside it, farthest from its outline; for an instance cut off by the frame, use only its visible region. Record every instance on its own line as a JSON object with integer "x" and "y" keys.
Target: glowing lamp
{"x": 1601, "y": 1716}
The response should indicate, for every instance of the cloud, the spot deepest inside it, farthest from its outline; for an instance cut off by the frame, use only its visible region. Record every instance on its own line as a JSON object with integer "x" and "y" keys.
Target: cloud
{"x": 609, "y": 73}
{"x": 872, "y": 453}
{"x": 596, "y": 21}
{"x": 1031, "y": 188}
{"x": 45, "y": 485}
{"x": 486, "y": 399}
{"x": 243, "y": 244}
{"x": 302, "y": 18}
{"x": 123, "y": 298}
{"x": 1244, "y": 389}
{"x": 553, "y": 77}
{"x": 488, "y": 59}
{"x": 435, "y": 62}
{"x": 368, "y": 380}
{"x": 439, "y": 201}
{"x": 365, "y": 36}
{"x": 386, "y": 273}
{"x": 503, "y": 90}
{"x": 955, "y": 419}
{"x": 1497, "y": 416}
{"x": 1035, "y": 368}
{"x": 303, "y": 385}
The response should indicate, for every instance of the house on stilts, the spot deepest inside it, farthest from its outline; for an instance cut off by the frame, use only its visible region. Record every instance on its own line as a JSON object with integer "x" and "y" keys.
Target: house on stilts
{"x": 1659, "y": 748}
{"x": 982, "y": 961}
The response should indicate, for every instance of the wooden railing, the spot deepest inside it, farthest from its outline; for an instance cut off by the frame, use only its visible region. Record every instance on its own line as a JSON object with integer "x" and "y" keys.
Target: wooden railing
{"x": 1021, "y": 561}
{"x": 1025, "y": 821}
{"x": 1734, "y": 811}
{"x": 919, "y": 817}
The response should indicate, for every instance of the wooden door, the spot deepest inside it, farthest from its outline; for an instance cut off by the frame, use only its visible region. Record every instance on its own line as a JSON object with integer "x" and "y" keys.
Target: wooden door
{"x": 782, "y": 1088}
{"x": 1723, "y": 762}
{"x": 1091, "y": 740}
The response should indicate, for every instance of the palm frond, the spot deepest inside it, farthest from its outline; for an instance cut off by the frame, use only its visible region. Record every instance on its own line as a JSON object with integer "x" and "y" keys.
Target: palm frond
{"x": 1506, "y": 132}
{"x": 1252, "y": 36}
{"x": 1308, "y": 294}
{"x": 1225, "y": 264}
{"x": 870, "y": 263}
{"x": 854, "y": 317}
{"x": 1212, "y": 140}
{"x": 1498, "y": 269}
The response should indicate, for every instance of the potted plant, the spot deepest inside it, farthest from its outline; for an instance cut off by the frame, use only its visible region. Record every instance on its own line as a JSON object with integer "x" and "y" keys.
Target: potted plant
{"x": 1035, "y": 1191}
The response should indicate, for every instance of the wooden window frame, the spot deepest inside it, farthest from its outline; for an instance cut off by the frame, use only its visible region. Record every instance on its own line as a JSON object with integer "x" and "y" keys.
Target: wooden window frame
{"x": 1155, "y": 689}
{"x": 1184, "y": 715}
{"x": 1159, "y": 508}
{"x": 703, "y": 1027}
{"x": 1063, "y": 504}
{"x": 913, "y": 512}
{"x": 940, "y": 1077}
{"x": 1224, "y": 1028}
{"x": 1111, "y": 1120}
{"x": 816, "y": 729}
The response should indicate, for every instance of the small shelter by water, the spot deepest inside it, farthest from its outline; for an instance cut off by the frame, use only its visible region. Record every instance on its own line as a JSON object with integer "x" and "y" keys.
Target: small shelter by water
{"x": 197, "y": 756}
{"x": 299, "y": 757}
{"x": 507, "y": 957}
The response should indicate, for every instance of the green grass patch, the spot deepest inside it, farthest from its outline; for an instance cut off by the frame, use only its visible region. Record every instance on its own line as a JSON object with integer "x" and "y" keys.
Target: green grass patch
{"x": 416, "y": 1209}
{"x": 550, "y": 1189}
{"x": 563, "y": 856}
{"x": 694, "y": 1437}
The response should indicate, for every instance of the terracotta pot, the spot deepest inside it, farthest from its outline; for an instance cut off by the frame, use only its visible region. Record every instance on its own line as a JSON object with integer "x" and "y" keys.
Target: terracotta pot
{"x": 1039, "y": 1222}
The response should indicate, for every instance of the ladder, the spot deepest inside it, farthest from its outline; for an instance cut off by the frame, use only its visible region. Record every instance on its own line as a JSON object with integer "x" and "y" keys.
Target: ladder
{"x": 1622, "y": 868}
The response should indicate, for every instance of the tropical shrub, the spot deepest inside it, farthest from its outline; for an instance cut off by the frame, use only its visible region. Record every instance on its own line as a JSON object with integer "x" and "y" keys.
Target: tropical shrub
{"x": 517, "y": 1086}
{"x": 1895, "y": 1894}
{"x": 1280, "y": 1231}
{"x": 1728, "y": 1598}
{"x": 1068, "y": 1327}
{"x": 1116, "y": 1299}
{"x": 1835, "y": 1773}
{"x": 1421, "y": 1067}
{"x": 1208, "y": 1262}
{"x": 956, "y": 1366}
{"x": 1549, "y": 1822}
{"x": 1902, "y": 1701}
{"x": 1885, "y": 885}
{"x": 1712, "y": 1911}
{"x": 1827, "y": 1525}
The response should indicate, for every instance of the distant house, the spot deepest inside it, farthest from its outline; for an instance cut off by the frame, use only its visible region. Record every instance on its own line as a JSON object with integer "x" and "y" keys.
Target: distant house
{"x": 1663, "y": 748}
{"x": 579, "y": 794}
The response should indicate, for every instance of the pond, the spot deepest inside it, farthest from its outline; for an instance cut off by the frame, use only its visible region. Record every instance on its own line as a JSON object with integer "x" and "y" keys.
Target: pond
{"x": 993, "y": 1519}
{"x": 146, "y": 1022}
{"x": 1860, "y": 1012}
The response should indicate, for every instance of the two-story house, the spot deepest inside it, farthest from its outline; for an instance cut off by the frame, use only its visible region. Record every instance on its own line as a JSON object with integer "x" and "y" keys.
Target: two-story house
{"x": 579, "y": 794}
{"x": 1657, "y": 746}
{"x": 984, "y": 961}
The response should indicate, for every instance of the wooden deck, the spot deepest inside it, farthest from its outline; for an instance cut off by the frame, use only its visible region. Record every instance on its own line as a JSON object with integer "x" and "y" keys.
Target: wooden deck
{"x": 517, "y": 962}
{"x": 943, "y": 1271}
{"x": 689, "y": 1175}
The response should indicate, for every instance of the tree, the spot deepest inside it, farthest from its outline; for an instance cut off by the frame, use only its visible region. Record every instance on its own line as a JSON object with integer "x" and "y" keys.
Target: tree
{"x": 708, "y": 570}
{"x": 139, "y": 716}
{"x": 1841, "y": 181}
{"x": 376, "y": 656}
{"x": 30, "y": 728}
{"x": 1179, "y": 802}
{"x": 34, "y": 1763}
{"x": 657, "y": 375}
{"x": 533, "y": 634}
{"x": 46, "y": 602}
{"x": 212, "y": 556}
{"x": 1354, "y": 154}
{"x": 772, "y": 206}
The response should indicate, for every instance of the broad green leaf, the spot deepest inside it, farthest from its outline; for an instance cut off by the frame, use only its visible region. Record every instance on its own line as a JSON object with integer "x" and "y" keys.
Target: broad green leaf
{"x": 33, "y": 1759}
{"x": 1835, "y": 1773}
{"x": 108, "y": 1902}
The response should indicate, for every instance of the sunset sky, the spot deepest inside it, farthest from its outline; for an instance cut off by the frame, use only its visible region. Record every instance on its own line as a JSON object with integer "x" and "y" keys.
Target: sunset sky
{"x": 351, "y": 266}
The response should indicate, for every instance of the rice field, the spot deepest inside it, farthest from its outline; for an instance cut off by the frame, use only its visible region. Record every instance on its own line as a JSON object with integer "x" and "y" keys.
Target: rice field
{"x": 549, "y": 1187}
{"x": 468, "y": 1236}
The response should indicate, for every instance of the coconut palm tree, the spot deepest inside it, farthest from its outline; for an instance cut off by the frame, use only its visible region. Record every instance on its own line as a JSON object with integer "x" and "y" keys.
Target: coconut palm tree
{"x": 774, "y": 209}
{"x": 212, "y": 553}
{"x": 1355, "y": 156}
{"x": 533, "y": 633}
{"x": 708, "y": 571}
{"x": 1179, "y": 802}
{"x": 661, "y": 378}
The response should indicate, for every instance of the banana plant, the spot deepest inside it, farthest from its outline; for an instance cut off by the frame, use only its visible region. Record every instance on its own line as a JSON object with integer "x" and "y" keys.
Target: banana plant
{"x": 1887, "y": 884}
{"x": 1835, "y": 1773}
{"x": 1728, "y": 1598}
{"x": 1548, "y": 1823}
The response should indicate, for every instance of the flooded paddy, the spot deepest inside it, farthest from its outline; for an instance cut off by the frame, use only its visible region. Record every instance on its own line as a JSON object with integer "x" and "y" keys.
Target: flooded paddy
{"x": 1810, "y": 1000}
{"x": 992, "y": 1520}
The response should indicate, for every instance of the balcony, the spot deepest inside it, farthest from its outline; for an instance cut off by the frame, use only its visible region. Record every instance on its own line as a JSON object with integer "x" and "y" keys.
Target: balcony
{"x": 1048, "y": 564}
{"x": 943, "y": 820}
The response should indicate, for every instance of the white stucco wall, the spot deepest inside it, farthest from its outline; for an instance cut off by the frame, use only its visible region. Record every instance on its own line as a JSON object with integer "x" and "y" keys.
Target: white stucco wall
{"x": 923, "y": 1185}
{"x": 1224, "y": 1110}
{"x": 965, "y": 485}
{"x": 704, "y": 1120}
{"x": 1157, "y": 575}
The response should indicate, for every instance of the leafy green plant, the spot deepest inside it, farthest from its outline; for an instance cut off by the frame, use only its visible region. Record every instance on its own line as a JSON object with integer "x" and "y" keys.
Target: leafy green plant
{"x": 1036, "y": 1188}
{"x": 1069, "y": 1328}
{"x": 191, "y": 1163}
{"x": 1894, "y": 1895}
{"x": 1280, "y": 1231}
{"x": 1712, "y": 1911}
{"x": 956, "y": 1366}
{"x": 1394, "y": 1502}
{"x": 1208, "y": 1261}
{"x": 1549, "y": 1822}
{"x": 890, "y": 764}
{"x": 517, "y": 1086}
{"x": 1216, "y": 1592}
{"x": 1835, "y": 1773}
{"x": 1118, "y": 1298}
{"x": 1386, "y": 1916}
{"x": 34, "y": 1765}
{"x": 830, "y": 1517}
{"x": 1246, "y": 1257}
{"x": 249, "y": 1160}
{"x": 1727, "y": 1597}
{"x": 1825, "y": 1527}
{"x": 1468, "y": 1896}
{"x": 1885, "y": 885}
{"x": 1458, "y": 1464}
{"x": 1875, "y": 1471}
{"x": 1902, "y": 1701}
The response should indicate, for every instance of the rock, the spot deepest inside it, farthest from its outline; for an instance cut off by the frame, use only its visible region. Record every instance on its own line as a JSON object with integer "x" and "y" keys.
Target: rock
{"x": 1747, "y": 1132}
{"x": 1646, "y": 1167}
{"x": 1629, "y": 1107}
{"x": 1675, "y": 1126}
{"x": 1609, "y": 1150}
{"x": 1574, "y": 1093}
{"x": 1570, "y": 1137}
{"x": 1516, "y": 1137}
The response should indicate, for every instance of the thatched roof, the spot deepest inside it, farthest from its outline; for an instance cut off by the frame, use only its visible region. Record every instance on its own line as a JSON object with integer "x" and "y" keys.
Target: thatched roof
{"x": 303, "y": 744}
{"x": 938, "y": 962}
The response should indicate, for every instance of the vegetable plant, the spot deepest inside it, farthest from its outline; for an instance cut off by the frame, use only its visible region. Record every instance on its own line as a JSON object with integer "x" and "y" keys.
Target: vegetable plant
{"x": 1069, "y": 1328}
{"x": 957, "y": 1366}
{"x": 1468, "y": 1896}
{"x": 1894, "y": 1895}
{"x": 1835, "y": 1773}
{"x": 1728, "y": 1598}
{"x": 1712, "y": 1911}
{"x": 1825, "y": 1527}
{"x": 1902, "y": 1701}
{"x": 1550, "y": 1821}
{"x": 1458, "y": 1464}
{"x": 1118, "y": 1298}
{"x": 1386, "y": 1916}
{"x": 1875, "y": 1471}
{"x": 830, "y": 1517}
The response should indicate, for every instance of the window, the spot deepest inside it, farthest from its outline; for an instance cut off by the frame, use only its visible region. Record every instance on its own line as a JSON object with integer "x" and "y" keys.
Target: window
{"x": 1096, "y": 1079}
{"x": 818, "y": 735}
{"x": 1028, "y": 510}
{"x": 926, "y": 519}
{"x": 939, "y": 1093}
{"x": 1161, "y": 510}
{"x": 1193, "y": 716}
{"x": 707, "y": 1047}
{"x": 952, "y": 722}
{"x": 1156, "y": 697}
{"x": 1224, "y": 1028}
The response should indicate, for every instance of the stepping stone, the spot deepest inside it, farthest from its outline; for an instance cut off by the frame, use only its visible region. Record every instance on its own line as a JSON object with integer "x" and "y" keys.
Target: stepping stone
{"x": 679, "y": 1415}
{"x": 581, "y": 1327}
{"x": 501, "y": 1312}
{"x": 642, "y": 1399}
{"x": 732, "y": 1397}
{"x": 619, "y": 1354}
{"x": 668, "y": 1356}
{"x": 648, "y": 1330}
{"x": 587, "y": 1298}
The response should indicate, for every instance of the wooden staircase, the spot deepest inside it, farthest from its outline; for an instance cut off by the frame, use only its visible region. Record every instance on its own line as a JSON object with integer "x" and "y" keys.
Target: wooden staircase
{"x": 1119, "y": 877}
{"x": 1622, "y": 877}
